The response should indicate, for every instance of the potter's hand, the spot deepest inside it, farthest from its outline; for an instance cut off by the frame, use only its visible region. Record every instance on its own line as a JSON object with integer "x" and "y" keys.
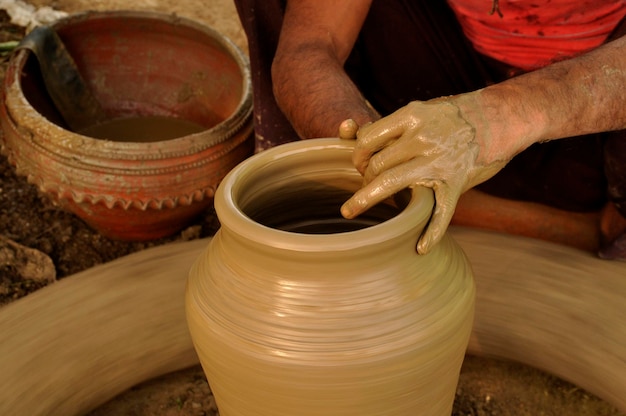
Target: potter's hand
{"x": 422, "y": 144}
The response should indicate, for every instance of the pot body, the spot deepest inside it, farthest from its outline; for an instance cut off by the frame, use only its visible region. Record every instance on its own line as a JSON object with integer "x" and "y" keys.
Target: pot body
{"x": 137, "y": 64}
{"x": 294, "y": 310}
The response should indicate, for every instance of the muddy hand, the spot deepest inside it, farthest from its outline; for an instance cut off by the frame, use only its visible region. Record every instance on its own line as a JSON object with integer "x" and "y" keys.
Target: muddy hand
{"x": 422, "y": 144}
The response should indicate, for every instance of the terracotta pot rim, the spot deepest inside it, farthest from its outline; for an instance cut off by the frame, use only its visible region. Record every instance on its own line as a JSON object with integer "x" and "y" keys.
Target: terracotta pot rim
{"x": 410, "y": 221}
{"x": 167, "y": 162}
{"x": 21, "y": 113}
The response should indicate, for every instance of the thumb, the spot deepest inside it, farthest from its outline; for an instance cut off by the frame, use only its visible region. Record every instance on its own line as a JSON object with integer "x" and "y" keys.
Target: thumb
{"x": 348, "y": 129}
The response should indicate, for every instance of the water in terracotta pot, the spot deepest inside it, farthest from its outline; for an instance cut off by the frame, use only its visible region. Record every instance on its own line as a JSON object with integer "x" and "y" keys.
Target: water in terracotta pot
{"x": 295, "y": 311}
{"x": 143, "y": 129}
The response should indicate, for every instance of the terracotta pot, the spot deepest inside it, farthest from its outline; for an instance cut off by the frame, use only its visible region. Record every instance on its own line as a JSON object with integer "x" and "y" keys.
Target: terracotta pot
{"x": 138, "y": 64}
{"x": 295, "y": 311}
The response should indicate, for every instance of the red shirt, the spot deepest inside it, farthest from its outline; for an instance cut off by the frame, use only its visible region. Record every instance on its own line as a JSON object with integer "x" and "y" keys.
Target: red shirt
{"x": 530, "y": 34}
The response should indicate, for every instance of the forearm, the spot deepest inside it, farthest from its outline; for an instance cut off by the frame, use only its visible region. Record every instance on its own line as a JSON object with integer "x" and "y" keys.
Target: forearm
{"x": 310, "y": 84}
{"x": 316, "y": 95}
{"x": 574, "y": 97}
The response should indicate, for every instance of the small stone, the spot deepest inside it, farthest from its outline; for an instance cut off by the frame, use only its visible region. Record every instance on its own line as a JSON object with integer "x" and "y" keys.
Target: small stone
{"x": 191, "y": 233}
{"x": 30, "y": 264}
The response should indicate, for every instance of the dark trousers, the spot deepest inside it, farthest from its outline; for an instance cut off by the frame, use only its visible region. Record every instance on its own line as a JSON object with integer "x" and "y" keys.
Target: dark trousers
{"x": 415, "y": 50}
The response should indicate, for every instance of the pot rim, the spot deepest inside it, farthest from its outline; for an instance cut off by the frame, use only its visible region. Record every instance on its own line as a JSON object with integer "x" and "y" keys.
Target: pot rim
{"x": 21, "y": 113}
{"x": 410, "y": 221}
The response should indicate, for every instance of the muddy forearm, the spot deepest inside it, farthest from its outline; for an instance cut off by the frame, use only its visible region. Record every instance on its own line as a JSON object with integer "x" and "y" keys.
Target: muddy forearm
{"x": 574, "y": 97}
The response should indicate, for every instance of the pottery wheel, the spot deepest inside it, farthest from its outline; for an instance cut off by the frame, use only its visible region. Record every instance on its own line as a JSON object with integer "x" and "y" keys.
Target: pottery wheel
{"x": 74, "y": 345}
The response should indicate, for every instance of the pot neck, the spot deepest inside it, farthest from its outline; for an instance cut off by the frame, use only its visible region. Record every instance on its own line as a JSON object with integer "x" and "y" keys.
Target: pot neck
{"x": 301, "y": 185}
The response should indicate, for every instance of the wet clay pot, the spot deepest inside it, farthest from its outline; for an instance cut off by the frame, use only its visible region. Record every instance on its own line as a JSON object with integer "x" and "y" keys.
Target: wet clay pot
{"x": 295, "y": 311}
{"x": 137, "y": 64}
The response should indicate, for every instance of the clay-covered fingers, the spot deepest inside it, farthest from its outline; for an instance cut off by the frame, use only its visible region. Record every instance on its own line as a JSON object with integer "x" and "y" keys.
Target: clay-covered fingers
{"x": 395, "y": 153}
{"x": 403, "y": 176}
{"x": 380, "y": 188}
{"x": 372, "y": 138}
{"x": 446, "y": 199}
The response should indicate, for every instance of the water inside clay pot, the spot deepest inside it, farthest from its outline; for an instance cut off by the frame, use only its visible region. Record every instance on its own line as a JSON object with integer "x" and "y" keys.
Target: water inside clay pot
{"x": 189, "y": 79}
{"x": 142, "y": 129}
{"x": 125, "y": 125}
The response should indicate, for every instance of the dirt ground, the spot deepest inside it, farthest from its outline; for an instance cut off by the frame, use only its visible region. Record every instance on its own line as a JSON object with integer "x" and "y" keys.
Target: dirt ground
{"x": 33, "y": 232}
